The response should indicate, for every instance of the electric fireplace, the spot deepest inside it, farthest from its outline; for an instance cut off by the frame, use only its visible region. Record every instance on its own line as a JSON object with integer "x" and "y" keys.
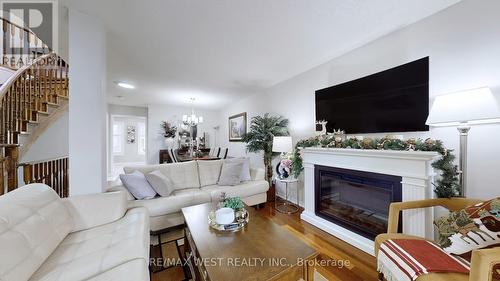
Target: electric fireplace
{"x": 356, "y": 200}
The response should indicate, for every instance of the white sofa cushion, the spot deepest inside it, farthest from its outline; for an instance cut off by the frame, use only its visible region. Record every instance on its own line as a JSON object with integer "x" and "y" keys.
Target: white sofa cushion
{"x": 173, "y": 203}
{"x": 88, "y": 253}
{"x": 183, "y": 175}
{"x": 162, "y": 184}
{"x": 209, "y": 171}
{"x": 242, "y": 190}
{"x": 33, "y": 221}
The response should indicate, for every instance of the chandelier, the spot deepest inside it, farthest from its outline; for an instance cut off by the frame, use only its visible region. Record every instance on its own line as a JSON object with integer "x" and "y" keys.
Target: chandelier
{"x": 192, "y": 119}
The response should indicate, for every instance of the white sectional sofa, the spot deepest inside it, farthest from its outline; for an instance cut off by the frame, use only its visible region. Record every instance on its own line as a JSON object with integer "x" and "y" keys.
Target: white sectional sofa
{"x": 89, "y": 237}
{"x": 195, "y": 183}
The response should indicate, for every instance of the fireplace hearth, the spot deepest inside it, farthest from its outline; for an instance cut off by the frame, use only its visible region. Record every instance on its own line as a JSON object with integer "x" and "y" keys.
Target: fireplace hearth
{"x": 357, "y": 200}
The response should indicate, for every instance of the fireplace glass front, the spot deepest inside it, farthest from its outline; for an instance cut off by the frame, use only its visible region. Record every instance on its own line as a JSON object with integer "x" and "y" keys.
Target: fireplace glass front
{"x": 356, "y": 200}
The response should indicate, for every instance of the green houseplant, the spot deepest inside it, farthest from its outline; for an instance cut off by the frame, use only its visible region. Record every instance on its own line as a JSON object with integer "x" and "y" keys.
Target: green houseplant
{"x": 260, "y": 137}
{"x": 234, "y": 203}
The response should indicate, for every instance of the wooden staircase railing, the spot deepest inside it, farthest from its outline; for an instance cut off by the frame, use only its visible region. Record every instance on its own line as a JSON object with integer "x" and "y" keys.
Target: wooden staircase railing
{"x": 27, "y": 99}
{"x": 29, "y": 93}
{"x": 53, "y": 173}
{"x": 20, "y": 45}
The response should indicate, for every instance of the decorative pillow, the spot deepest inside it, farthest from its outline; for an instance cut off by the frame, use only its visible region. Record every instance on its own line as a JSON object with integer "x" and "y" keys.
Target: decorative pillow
{"x": 230, "y": 173}
{"x": 245, "y": 170}
{"x": 137, "y": 184}
{"x": 162, "y": 184}
{"x": 472, "y": 228}
{"x": 209, "y": 171}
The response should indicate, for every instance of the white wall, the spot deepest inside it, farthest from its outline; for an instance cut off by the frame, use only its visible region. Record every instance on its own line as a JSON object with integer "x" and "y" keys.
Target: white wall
{"x": 87, "y": 107}
{"x": 462, "y": 43}
{"x": 173, "y": 114}
{"x": 52, "y": 143}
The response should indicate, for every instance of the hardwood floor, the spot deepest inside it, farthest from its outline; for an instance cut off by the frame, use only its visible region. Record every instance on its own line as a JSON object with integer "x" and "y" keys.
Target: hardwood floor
{"x": 343, "y": 262}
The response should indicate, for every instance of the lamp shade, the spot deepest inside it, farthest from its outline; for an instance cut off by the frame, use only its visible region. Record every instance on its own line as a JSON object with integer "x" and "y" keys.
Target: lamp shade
{"x": 282, "y": 144}
{"x": 476, "y": 106}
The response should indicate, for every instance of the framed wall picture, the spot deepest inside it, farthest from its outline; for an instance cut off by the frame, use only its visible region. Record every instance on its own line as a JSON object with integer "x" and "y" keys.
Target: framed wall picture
{"x": 130, "y": 134}
{"x": 237, "y": 126}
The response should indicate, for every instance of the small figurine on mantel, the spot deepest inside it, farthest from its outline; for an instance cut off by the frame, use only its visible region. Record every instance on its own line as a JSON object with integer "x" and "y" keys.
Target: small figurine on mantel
{"x": 322, "y": 131}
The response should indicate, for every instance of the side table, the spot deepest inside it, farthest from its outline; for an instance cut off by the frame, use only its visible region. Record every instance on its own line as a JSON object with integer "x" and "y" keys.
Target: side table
{"x": 286, "y": 207}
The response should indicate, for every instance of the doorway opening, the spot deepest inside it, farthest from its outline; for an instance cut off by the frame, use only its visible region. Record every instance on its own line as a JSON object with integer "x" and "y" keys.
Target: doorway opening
{"x": 128, "y": 143}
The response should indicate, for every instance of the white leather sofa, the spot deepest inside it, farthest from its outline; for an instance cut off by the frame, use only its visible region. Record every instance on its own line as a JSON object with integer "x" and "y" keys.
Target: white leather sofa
{"x": 195, "y": 183}
{"x": 89, "y": 237}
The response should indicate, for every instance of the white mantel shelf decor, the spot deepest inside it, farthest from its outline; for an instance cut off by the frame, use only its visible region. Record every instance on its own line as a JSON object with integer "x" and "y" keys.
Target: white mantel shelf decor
{"x": 414, "y": 167}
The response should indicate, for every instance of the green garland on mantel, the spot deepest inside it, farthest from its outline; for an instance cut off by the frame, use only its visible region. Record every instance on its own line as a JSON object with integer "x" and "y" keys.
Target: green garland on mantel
{"x": 445, "y": 187}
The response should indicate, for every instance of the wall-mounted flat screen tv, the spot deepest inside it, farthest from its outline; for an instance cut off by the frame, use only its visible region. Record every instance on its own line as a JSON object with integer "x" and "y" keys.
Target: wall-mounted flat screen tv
{"x": 394, "y": 100}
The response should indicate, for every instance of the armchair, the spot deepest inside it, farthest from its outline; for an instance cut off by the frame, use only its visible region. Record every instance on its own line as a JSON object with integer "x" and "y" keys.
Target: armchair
{"x": 482, "y": 261}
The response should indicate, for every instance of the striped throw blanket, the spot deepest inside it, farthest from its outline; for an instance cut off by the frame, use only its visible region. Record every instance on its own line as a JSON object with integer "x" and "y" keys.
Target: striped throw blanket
{"x": 407, "y": 259}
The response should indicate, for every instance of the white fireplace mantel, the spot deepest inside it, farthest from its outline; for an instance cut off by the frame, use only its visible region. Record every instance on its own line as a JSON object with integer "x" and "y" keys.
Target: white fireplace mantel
{"x": 414, "y": 167}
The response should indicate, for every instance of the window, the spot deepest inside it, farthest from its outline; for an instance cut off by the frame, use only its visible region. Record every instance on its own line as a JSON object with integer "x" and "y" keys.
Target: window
{"x": 118, "y": 138}
{"x": 141, "y": 143}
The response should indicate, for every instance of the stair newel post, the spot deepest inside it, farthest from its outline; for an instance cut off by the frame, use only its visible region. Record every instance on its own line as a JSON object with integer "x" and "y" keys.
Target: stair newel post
{"x": 27, "y": 173}
{"x": 12, "y": 154}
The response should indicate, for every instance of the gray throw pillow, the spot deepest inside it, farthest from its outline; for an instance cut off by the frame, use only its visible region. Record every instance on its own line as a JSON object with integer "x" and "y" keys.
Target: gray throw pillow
{"x": 230, "y": 174}
{"x": 245, "y": 169}
{"x": 137, "y": 184}
{"x": 162, "y": 184}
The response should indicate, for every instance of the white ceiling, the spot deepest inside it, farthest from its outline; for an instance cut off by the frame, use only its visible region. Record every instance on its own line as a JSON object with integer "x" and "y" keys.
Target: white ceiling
{"x": 221, "y": 50}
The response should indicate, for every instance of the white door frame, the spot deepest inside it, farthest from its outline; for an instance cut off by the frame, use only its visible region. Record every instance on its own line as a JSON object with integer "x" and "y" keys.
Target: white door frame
{"x": 110, "y": 137}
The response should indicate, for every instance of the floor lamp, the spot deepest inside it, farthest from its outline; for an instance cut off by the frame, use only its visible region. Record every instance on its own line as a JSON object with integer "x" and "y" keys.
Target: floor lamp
{"x": 462, "y": 110}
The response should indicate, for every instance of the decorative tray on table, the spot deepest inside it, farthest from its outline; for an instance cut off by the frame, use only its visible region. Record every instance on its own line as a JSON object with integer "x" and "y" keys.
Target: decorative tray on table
{"x": 240, "y": 221}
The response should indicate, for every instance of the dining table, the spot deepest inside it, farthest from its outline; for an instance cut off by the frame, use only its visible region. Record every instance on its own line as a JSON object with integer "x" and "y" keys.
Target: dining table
{"x": 183, "y": 158}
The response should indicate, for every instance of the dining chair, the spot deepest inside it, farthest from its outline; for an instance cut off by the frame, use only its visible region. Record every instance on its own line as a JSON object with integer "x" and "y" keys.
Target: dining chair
{"x": 173, "y": 155}
{"x": 214, "y": 151}
{"x": 223, "y": 153}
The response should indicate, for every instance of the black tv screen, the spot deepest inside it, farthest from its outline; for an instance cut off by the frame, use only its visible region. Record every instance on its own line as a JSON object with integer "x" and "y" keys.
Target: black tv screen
{"x": 394, "y": 100}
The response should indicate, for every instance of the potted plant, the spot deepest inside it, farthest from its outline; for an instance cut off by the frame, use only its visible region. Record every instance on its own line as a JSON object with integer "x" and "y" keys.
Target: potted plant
{"x": 169, "y": 132}
{"x": 237, "y": 205}
{"x": 260, "y": 138}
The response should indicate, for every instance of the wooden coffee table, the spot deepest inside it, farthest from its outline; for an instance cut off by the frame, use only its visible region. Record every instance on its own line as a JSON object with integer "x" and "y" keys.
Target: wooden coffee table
{"x": 263, "y": 250}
